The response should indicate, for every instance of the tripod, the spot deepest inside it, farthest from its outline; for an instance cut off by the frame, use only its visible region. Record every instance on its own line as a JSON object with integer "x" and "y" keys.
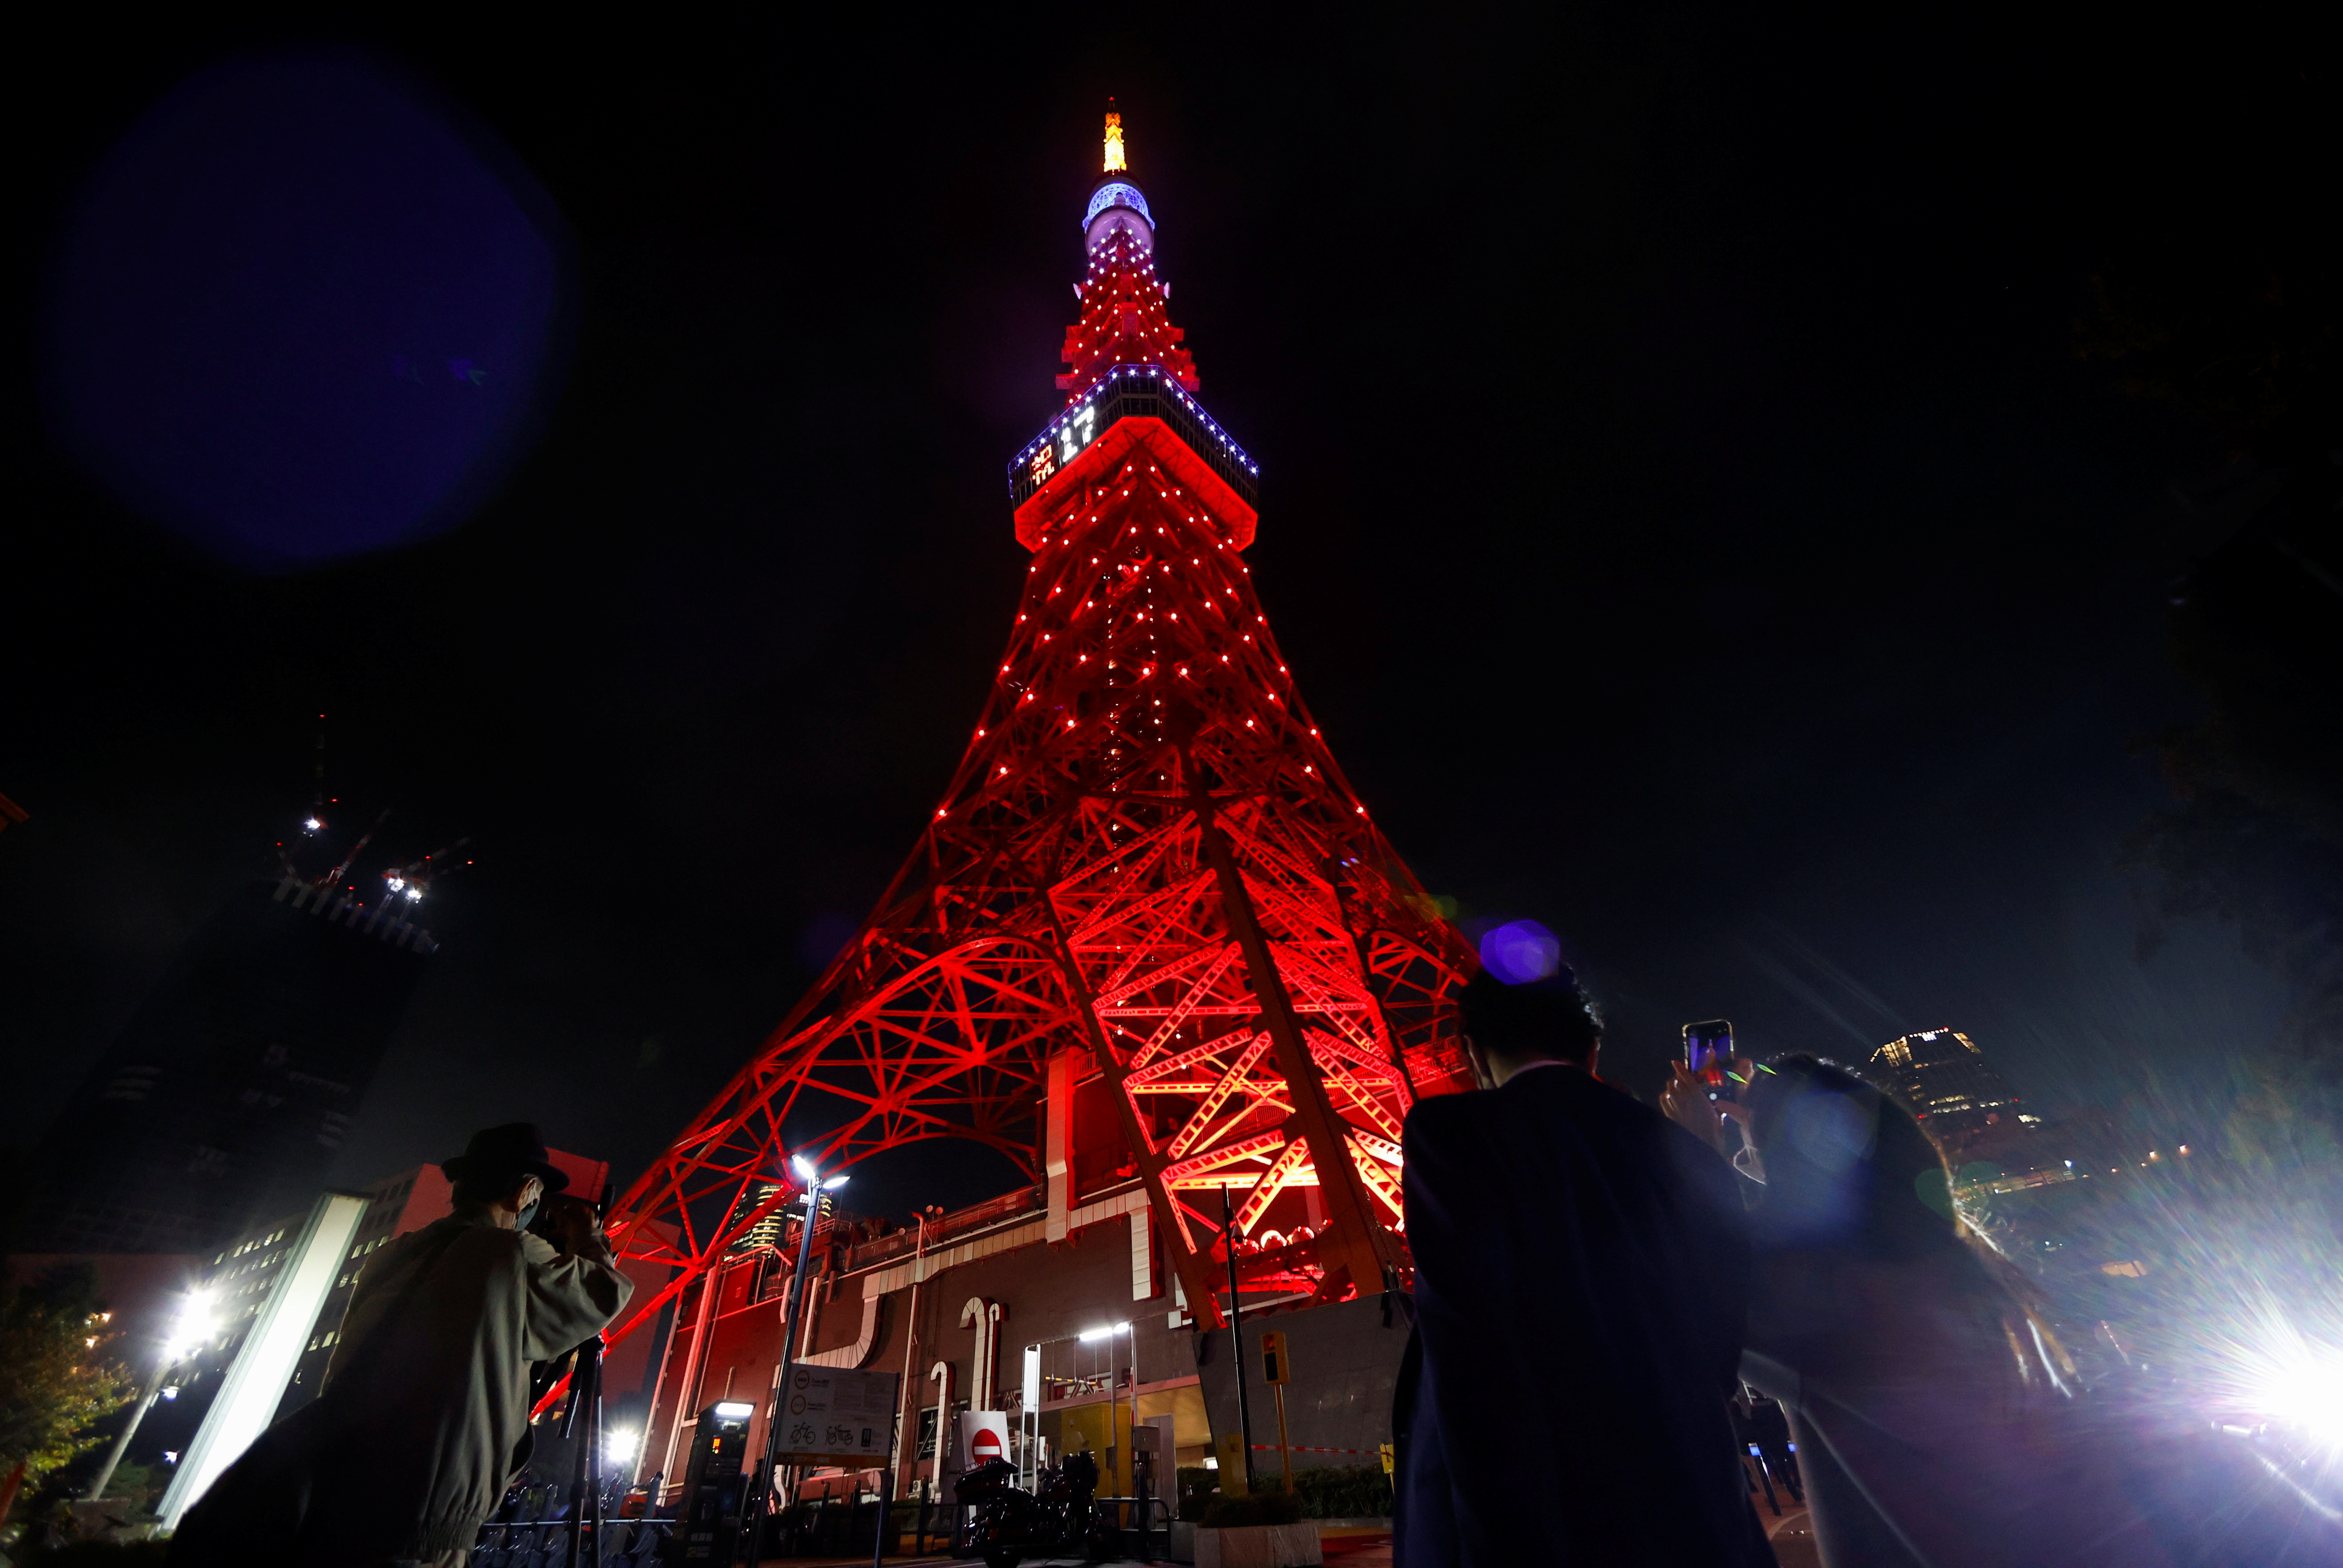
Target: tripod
{"x": 586, "y": 1478}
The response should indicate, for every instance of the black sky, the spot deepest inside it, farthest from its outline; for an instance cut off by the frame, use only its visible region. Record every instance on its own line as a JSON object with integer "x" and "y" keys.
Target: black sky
{"x": 1681, "y": 506}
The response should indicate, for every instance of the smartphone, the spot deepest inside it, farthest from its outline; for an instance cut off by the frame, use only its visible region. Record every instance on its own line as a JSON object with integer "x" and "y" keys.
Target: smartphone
{"x": 1707, "y": 1048}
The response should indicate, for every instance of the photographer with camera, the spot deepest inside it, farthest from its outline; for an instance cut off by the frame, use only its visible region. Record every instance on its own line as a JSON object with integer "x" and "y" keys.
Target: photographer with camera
{"x": 424, "y": 1418}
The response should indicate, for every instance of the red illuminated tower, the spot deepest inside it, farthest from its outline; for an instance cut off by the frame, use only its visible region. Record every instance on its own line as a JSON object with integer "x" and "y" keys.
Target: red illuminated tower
{"x": 1148, "y": 897}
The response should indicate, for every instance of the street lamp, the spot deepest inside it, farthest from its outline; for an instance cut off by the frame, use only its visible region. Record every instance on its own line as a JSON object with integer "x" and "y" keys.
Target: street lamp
{"x": 1030, "y": 1420}
{"x": 815, "y": 1186}
{"x": 188, "y": 1330}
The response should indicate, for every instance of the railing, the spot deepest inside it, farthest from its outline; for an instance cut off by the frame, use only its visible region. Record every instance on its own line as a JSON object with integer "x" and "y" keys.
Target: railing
{"x": 1125, "y": 392}
{"x": 982, "y": 1216}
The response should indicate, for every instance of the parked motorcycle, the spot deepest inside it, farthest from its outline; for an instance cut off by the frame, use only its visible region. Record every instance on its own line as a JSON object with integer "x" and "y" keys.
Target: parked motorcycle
{"x": 1059, "y": 1518}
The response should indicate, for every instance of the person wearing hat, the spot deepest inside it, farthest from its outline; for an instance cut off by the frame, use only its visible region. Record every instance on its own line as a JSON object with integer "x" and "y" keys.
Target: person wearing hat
{"x": 424, "y": 1417}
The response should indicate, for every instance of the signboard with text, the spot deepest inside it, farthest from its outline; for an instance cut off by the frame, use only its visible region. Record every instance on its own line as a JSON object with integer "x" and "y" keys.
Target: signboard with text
{"x": 831, "y": 1416}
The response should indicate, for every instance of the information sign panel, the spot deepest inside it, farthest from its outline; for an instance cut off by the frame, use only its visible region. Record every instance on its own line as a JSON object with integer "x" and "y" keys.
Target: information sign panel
{"x": 829, "y": 1416}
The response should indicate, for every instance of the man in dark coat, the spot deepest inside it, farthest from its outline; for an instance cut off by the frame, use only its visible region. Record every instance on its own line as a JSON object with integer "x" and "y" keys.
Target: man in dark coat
{"x": 1581, "y": 1268}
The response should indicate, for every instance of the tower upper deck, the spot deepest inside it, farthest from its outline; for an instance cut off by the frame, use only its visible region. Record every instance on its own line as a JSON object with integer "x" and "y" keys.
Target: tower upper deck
{"x": 1126, "y": 368}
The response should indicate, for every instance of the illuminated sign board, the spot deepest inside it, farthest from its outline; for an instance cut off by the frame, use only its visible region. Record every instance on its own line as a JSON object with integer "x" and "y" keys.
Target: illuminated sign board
{"x": 1131, "y": 391}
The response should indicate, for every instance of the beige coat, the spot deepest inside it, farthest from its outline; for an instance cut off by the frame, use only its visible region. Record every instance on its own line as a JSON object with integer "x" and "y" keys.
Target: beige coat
{"x": 436, "y": 1415}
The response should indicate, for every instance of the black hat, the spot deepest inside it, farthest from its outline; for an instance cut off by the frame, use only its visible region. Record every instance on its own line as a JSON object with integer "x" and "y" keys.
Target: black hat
{"x": 516, "y": 1149}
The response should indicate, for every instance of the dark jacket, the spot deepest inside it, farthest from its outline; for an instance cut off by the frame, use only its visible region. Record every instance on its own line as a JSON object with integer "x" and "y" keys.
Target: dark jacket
{"x": 1580, "y": 1276}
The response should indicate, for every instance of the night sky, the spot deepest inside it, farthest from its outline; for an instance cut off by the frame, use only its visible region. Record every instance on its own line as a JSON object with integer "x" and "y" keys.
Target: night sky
{"x": 1682, "y": 505}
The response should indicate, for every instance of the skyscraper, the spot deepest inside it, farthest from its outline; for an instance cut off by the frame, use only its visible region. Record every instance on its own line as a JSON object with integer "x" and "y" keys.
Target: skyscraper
{"x": 1945, "y": 1080}
{"x": 223, "y": 1099}
{"x": 1151, "y": 945}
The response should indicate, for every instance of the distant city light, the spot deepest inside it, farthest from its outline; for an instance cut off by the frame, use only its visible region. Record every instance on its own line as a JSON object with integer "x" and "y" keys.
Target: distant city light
{"x": 172, "y": 1392}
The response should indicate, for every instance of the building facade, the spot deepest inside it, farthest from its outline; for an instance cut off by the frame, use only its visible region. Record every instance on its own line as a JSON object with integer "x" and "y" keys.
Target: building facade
{"x": 225, "y": 1097}
{"x": 1945, "y": 1080}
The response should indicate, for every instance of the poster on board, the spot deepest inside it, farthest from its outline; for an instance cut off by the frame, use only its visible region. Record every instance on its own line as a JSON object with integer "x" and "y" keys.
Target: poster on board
{"x": 831, "y": 1416}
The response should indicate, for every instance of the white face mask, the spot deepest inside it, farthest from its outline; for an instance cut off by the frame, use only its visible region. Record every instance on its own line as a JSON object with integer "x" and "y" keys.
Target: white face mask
{"x": 528, "y": 1214}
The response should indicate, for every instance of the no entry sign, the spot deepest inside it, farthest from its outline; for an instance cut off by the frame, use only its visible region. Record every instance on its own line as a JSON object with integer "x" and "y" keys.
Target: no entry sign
{"x": 984, "y": 1434}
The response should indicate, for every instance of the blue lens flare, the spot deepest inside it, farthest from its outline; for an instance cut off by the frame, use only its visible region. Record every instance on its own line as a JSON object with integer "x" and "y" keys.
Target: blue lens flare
{"x": 1520, "y": 951}
{"x": 298, "y": 314}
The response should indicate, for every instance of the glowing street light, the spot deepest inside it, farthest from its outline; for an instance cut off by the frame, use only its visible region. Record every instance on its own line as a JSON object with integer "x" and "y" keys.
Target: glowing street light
{"x": 811, "y": 1178}
{"x": 811, "y": 1175}
{"x": 620, "y": 1445}
{"x": 189, "y": 1328}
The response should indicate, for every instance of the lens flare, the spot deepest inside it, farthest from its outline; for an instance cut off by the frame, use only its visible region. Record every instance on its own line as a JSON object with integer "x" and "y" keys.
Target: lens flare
{"x": 2281, "y": 1375}
{"x": 1521, "y": 951}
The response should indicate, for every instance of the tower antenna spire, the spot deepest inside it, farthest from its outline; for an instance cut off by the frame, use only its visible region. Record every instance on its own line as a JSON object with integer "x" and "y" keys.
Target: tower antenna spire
{"x": 1115, "y": 163}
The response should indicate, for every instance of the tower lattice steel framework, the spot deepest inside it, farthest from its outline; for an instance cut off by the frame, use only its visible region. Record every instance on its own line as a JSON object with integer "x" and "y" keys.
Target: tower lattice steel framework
{"x": 1147, "y": 857}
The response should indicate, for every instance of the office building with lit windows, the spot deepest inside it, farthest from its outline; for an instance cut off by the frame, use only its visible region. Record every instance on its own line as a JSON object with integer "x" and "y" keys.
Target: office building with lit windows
{"x": 1944, "y": 1080}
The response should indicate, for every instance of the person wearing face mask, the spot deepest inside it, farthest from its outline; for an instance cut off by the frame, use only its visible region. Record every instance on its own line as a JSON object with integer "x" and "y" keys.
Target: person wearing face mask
{"x": 423, "y": 1419}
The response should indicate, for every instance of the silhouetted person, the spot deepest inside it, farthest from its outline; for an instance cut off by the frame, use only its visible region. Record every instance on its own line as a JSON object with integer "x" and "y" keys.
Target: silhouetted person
{"x": 424, "y": 1418}
{"x": 1580, "y": 1271}
{"x": 1935, "y": 1408}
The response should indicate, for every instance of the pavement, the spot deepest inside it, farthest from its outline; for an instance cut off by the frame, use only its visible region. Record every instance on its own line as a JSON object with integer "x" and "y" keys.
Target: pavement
{"x": 1791, "y": 1535}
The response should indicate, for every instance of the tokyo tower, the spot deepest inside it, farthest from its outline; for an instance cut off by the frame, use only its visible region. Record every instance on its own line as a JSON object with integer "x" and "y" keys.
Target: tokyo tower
{"x": 1148, "y": 897}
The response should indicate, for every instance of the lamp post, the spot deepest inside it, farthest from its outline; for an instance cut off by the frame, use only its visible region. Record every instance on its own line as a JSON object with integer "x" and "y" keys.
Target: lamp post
{"x": 190, "y": 1329}
{"x": 1113, "y": 1449}
{"x": 814, "y": 1188}
{"x": 1236, "y": 1331}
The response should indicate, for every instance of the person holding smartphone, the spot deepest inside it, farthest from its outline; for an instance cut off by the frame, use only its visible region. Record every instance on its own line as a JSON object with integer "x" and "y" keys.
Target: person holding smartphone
{"x": 1581, "y": 1273}
{"x": 1939, "y": 1419}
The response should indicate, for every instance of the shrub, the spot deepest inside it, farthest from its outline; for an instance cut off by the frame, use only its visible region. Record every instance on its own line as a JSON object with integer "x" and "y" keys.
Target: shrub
{"x": 1196, "y": 1489}
{"x": 1343, "y": 1492}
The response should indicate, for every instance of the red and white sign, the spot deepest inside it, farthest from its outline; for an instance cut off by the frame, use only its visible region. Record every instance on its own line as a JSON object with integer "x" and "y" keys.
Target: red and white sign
{"x": 984, "y": 1434}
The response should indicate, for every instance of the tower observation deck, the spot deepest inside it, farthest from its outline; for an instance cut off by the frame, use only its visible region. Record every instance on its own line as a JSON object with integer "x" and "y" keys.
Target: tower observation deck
{"x": 1150, "y": 943}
